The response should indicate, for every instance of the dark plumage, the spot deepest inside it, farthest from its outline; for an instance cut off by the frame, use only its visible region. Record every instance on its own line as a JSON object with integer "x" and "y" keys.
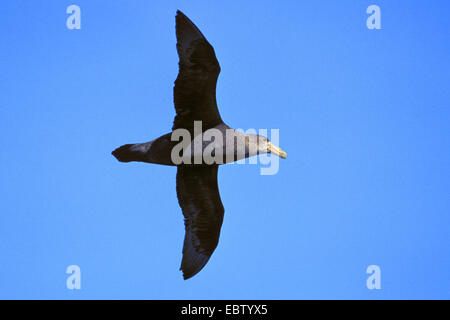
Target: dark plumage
{"x": 199, "y": 199}
{"x": 195, "y": 87}
{"x": 197, "y": 189}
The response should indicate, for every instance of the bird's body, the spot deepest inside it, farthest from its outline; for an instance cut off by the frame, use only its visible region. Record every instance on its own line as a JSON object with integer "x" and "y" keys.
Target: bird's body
{"x": 199, "y": 142}
{"x": 228, "y": 145}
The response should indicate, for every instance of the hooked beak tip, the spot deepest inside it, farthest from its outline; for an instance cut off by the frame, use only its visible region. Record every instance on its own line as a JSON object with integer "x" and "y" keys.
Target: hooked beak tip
{"x": 277, "y": 151}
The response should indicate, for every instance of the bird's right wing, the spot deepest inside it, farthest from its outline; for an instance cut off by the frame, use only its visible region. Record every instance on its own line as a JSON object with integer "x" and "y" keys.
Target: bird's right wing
{"x": 199, "y": 199}
{"x": 195, "y": 86}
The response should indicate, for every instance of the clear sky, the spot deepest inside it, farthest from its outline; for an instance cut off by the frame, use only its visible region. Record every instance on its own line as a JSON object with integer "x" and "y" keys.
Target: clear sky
{"x": 363, "y": 114}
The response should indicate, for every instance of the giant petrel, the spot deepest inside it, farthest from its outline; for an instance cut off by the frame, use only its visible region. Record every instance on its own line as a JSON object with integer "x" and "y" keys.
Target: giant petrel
{"x": 198, "y": 118}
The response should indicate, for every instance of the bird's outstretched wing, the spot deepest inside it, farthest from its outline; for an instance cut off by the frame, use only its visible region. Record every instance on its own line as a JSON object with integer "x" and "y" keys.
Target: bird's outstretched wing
{"x": 199, "y": 199}
{"x": 195, "y": 86}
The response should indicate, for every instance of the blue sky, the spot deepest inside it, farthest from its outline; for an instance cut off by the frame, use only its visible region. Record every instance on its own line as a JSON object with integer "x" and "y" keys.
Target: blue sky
{"x": 363, "y": 115}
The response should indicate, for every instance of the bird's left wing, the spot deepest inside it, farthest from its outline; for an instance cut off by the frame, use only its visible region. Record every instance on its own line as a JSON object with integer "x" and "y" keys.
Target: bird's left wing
{"x": 199, "y": 199}
{"x": 195, "y": 87}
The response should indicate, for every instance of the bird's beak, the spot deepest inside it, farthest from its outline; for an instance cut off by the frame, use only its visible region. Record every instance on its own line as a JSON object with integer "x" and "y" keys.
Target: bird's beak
{"x": 275, "y": 150}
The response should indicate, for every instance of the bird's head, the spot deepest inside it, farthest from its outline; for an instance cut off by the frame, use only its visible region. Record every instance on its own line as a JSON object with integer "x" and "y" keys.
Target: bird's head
{"x": 263, "y": 145}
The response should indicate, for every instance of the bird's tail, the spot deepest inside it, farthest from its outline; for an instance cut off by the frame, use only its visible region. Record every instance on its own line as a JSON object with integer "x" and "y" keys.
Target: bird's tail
{"x": 156, "y": 151}
{"x": 129, "y": 152}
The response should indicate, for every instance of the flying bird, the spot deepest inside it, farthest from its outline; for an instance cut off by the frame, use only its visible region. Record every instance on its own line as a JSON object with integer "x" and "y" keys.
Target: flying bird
{"x": 196, "y": 181}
